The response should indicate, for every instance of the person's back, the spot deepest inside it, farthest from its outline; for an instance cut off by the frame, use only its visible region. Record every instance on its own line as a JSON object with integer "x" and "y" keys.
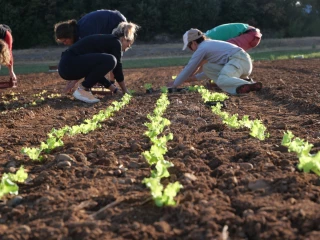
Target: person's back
{"x": 99, "y": 22}
{"x": 225, "y": 32}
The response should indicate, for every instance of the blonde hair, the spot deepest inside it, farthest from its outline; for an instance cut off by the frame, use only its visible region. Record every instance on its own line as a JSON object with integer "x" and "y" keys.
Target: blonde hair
{"x": 4, "y": 53}
{"x": 126, "y": 30}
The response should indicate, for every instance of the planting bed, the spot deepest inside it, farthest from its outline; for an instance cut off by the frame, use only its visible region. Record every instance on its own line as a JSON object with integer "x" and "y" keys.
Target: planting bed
{"x": 233, "y": 184}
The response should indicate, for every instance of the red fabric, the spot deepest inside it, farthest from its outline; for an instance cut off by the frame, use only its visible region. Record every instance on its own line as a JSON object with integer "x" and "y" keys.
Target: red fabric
{"x": 8, "y": 39}
{"x": 247, "y": 40}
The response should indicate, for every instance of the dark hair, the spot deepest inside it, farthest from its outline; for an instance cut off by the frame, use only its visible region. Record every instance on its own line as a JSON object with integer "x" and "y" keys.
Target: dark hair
{"x": 200, "y": 40}
{"x": 66, "y": 29}
{"x": 6, "y": 27}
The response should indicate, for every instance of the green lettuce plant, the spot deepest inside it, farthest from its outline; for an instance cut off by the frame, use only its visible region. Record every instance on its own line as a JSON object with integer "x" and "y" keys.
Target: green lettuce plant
{"x": 147, "y": 86}
{"x": 155, "y": 156}
{"x": 161, "y": 196}
{"x": 307, "y": 162}
{"x": 55, "y": 136}
{"x": 8, "y": 182}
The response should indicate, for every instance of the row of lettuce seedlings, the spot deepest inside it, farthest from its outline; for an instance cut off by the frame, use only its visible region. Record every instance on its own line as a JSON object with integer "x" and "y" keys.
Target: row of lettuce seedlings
{"x": 162, "y": 196}
{"x": 55, "y": 136}
{"x": 39, "y": 98}
{"x": 8, "y": 184}
{"x": 8, "y": 181}
{"x": 307, "y": 161}
{"x": 257, "y": 129}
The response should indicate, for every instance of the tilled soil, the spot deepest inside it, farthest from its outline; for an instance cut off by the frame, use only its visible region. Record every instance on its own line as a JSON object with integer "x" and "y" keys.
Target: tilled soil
{"x": 233, "y": 184}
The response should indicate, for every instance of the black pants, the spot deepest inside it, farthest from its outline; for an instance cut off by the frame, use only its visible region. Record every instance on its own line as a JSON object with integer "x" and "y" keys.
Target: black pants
{"x": 92, "y": 67}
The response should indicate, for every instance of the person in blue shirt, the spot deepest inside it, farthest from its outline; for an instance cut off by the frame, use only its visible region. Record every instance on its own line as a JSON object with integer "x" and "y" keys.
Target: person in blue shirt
{"x": 93, "y": 57}
{"x": 96, "y": 22}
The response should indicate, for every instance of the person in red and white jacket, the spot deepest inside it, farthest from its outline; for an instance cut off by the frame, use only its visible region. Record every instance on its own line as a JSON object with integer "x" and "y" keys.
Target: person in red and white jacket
{"x": 239, "y": 34}
{"x": 6, "y": 57}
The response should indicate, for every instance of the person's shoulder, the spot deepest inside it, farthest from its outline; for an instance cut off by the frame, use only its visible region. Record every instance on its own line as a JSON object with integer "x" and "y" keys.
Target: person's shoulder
{"x": 104, "y": 12}
{"x": 111, "y": 37}
{"x": 208, "y": 42}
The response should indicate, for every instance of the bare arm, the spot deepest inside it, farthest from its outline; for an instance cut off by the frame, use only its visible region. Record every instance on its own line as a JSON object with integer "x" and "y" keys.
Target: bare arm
{"x": 11, "y": 72}
{"x": 123, "y": 87}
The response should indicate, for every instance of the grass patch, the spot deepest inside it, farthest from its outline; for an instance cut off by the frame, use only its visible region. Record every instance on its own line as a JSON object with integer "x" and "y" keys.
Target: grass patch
{"x": 25, "y": 69}
{"x": 155, "y": 62}
{"x": 166, "y": 62}
{"x": 279, "y": 55}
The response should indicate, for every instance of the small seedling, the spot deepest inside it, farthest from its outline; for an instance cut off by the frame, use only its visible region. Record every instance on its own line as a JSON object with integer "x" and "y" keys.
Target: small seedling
{"x": 148, "y": 87}
{"x": 164, "y": 89}
{"x": 131, "y": 92}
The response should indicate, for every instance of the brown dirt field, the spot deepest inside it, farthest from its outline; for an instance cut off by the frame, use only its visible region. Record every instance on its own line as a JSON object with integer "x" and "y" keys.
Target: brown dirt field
{"x": 229, "y": 178}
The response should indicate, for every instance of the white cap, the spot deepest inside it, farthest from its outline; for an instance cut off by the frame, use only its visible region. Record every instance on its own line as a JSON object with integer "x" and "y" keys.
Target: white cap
{"x": 191, "y": 35}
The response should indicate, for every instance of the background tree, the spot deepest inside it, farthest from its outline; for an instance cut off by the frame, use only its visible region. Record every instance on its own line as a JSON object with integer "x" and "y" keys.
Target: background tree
{"x": 32, "y": 21}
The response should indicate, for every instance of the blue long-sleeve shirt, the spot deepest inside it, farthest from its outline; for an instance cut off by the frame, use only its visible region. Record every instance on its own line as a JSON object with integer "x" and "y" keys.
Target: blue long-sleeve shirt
{"x": 99, "y": 22}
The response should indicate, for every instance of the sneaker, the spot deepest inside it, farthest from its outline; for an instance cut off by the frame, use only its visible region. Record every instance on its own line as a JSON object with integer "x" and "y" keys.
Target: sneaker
{"x": 246, "y": 88}
{"x": 85, "y": 96}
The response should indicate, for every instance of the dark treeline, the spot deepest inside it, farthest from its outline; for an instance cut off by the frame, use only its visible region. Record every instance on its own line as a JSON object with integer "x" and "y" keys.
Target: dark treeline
{"x": 32, "y": 21}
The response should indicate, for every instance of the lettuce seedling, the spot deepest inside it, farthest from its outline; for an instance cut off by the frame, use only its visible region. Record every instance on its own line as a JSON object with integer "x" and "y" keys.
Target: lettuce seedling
{"x": 32, "y": 153}
{"x": 147, "y": 86}
{"x": 8, "y": 182}
{"x": 164, "y": 89}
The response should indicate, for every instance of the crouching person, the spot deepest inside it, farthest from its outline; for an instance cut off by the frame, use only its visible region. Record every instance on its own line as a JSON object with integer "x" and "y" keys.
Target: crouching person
{"x": 93, "y": 57}
{"x": 6, "y": 56}
{"x": 224, "y": 63}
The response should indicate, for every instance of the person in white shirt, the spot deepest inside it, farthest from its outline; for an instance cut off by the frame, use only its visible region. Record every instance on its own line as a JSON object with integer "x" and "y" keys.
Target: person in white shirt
{"x": 224, "y": 63}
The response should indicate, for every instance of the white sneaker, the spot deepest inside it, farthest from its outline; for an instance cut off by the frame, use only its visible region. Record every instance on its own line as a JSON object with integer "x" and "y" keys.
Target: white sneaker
{"x": 85, "y": 96}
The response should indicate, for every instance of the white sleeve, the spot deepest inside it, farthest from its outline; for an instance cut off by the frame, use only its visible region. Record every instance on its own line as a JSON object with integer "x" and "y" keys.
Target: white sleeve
{"x": 201, "y": 76}
{"x": 192, "y": 65}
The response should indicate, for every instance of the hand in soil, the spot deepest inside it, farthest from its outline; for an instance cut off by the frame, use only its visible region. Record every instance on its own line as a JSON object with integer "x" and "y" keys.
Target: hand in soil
{"x": 13, "y": 77}
{"x": 13, "y": 82}
{"x": 113, "y": 89}
{"x": 70, "y": 86}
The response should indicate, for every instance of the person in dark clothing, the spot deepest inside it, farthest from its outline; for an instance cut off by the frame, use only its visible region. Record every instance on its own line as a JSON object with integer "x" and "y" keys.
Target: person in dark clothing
{"x": 96, "y": 22}
{"x": 93, "y": 57}
{"x": 6, "y": 57}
